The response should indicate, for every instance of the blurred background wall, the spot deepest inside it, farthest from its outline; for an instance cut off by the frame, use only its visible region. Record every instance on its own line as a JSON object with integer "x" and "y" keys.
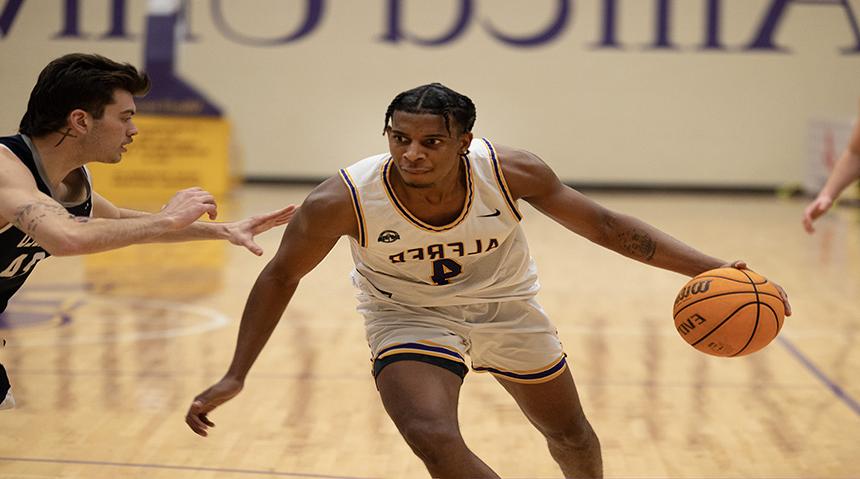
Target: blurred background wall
{"x": 676, "y": 93}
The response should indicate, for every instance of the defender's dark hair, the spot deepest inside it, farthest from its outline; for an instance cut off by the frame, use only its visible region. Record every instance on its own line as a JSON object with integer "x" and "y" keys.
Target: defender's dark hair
{"x": 435, "y": 99}
{"x": 73, "y": 81}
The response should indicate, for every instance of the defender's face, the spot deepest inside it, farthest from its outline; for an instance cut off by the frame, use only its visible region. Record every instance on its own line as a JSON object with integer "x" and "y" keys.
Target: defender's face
{"x": 114, "y": 130}
{"x": 425, "y": 153}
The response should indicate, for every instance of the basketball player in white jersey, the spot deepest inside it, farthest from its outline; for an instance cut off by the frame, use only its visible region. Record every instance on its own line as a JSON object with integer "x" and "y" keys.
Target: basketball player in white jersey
{"x": 845, "y": 171}
{"x": 445, "y": 280}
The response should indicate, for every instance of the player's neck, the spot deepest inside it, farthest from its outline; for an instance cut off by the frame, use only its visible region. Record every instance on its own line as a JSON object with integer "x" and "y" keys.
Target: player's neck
{"x": 58, "y": 160}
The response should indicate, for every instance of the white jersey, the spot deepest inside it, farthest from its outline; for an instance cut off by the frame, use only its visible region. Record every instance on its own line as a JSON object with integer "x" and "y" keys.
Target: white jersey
{"x": 480, "y": 257}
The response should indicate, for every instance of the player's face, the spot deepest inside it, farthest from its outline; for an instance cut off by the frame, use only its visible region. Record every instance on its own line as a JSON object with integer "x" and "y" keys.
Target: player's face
{"x": 425, "y": 153}
{"x": 114, "y": 130}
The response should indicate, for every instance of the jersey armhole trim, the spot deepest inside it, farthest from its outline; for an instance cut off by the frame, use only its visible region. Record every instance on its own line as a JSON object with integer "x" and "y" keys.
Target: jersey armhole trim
{"x": 500, "y": 180}
{"x": 356, "y": 206}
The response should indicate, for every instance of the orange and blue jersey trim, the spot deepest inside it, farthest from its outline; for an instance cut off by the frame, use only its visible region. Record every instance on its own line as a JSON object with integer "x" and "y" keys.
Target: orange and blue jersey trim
{"x": 542, "y": 375}
{"x": 425, "y": 348}
{"x": 356, "y": 205}
{"x": 389, "y": 189}
{"x": 500, "y": 179}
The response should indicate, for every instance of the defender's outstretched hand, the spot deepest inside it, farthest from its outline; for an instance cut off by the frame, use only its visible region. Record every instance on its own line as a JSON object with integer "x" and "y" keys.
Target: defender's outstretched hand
{"x": 241, "y": 233}
{"x": 216, "y": 395}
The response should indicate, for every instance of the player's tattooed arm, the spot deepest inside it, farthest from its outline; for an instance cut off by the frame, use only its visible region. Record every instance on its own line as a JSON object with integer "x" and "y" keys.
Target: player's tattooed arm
{"x": 638, "y": 240}
{"x": 638, "y": 244}
{"x": 30, "y": 216}
{"x": 634, "y": 242}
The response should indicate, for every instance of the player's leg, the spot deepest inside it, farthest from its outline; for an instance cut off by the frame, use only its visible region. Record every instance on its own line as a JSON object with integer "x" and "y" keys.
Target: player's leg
{"x": 6, "y": 399}
{"x": 516, "y": 342}
{"x": 554, "y": 409}
{"x": 418, "y": 362}
{"x": 421, "y": 398}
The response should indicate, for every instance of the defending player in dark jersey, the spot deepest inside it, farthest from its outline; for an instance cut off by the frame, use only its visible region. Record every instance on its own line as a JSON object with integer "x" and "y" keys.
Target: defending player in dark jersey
{"x": 19, "y": 252}
{"x": 81, "y": 111}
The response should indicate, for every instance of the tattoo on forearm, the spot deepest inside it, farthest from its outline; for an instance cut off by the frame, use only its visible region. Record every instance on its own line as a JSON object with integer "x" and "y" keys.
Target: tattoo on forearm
{"x": 30, "y": 216}
{"x": 66, "y": 133}
{"x": 638, "y": 243}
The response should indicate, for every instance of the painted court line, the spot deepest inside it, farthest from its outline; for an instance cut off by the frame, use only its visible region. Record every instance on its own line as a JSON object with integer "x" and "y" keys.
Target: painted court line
{"x": 831, "y": 385}
{"x": 176, "y": 468}
{"x": 211, "y": 320}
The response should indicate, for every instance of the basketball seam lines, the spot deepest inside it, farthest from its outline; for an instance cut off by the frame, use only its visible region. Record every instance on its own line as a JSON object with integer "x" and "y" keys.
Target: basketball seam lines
{"x": 757, "y": 316}
{"x": 725, "y": 294}
{"x": 722, "y": 322}
{"x": 758, "y": 301}
{"x": 730, "y": 279}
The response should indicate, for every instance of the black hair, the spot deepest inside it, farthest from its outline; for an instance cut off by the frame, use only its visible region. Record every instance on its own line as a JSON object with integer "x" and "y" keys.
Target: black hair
{"x": 73, "y": 81}
{"x": 435, "y": 99}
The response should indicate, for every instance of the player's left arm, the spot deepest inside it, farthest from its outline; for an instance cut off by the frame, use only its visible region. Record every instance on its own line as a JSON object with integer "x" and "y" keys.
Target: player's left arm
{"x": 240, "y": 232}
{"x": 532, "y": 180}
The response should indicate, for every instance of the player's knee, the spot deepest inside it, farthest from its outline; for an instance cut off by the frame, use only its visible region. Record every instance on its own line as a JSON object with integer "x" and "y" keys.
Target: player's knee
{"x": 431, "y": 439}
{"x": 574, "y": 435}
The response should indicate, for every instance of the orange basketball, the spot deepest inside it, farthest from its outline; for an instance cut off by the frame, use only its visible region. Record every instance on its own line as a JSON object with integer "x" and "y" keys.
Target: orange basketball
{"x": 728, "y": 312}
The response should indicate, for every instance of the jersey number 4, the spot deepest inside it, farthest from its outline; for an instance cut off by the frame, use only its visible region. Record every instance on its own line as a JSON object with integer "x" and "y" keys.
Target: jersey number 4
{"x": 444, "y": 270}
{"x": 15, "y": 268}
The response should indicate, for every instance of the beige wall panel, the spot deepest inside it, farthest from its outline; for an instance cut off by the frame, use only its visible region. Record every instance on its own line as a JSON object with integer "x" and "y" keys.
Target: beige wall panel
{"x": 630, "y": 115}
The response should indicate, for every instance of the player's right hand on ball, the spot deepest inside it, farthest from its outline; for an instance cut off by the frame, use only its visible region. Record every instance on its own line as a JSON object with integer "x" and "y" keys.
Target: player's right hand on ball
{"x": 187, "y": 205}
{"x": 216, "y": 395}
{"x": 741, "y": 264}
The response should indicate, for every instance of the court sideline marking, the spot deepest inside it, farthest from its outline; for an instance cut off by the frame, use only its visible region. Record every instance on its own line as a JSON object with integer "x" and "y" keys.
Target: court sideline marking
{"x": 831, "y": 385}
{"x": 176, "y": 467}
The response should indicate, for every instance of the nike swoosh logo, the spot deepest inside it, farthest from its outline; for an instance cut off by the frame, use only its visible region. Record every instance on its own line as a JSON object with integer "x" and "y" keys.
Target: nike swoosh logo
{"x": 494, "y": 213}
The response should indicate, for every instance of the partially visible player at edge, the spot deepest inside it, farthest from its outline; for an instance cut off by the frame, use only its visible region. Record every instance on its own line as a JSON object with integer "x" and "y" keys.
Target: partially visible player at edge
{"x": 443, "y": 271}
{"x": 845, "y": 171}
{"x": 80, "y": 111}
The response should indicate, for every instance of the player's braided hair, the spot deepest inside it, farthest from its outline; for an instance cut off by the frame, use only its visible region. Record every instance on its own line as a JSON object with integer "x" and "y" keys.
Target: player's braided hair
{"x": 435, "y": 99}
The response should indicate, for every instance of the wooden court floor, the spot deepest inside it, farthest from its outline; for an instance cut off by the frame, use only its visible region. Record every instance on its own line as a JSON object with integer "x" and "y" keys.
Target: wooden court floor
{"x": 106, "y": 353}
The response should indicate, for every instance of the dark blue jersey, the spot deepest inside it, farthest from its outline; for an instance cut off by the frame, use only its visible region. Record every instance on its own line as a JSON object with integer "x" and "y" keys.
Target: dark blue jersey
{"x": 19, "y": 253}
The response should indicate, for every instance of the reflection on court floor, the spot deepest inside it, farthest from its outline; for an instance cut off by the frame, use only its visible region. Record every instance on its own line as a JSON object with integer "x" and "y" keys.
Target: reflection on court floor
{"x": 106, "y": 355}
